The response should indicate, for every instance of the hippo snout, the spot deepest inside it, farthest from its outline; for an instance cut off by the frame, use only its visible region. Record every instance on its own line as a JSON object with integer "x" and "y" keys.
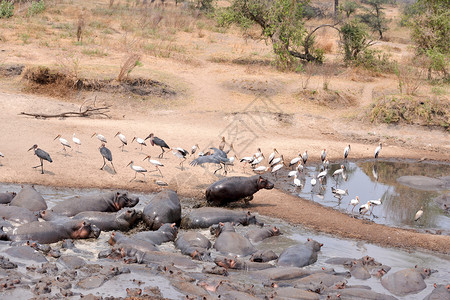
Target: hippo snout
{"x": 95, "y": 232}
{"x": 269, "y": 185}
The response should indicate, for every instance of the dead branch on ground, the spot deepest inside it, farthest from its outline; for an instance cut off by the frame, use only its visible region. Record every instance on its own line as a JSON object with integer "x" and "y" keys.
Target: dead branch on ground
{"x": 86, "y": 112}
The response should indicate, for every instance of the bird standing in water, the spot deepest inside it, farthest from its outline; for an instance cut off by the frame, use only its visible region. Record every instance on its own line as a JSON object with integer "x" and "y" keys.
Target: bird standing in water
{"x": 42, "y": 156}
{"x": 377, "y": 150}
{"x": 346, "y": 151}
{"x": 419, "y": 214}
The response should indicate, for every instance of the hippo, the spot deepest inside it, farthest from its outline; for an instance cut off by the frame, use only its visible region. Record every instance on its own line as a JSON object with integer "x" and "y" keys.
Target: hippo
{"x": 164, "y": 207}
{"x": 294, "y": 293}
{"x": 193, "y": 244}
{"x": 407, "y": 281}
{"x": 165, "y": 233}
{"x": 300, "y": 255}
{"x": 29, "y": 198}
{"x": 52, "y": 232}
{"x": 7, "y": 197}
{"x": 122, "y": 220}
{"x": 257, "y": 235}
{"x": 358, "y": 293}
{"x": 263, "y": 256}
{"x": 111, "y": 202}
{"x": 235, "y": 188}
{"x": 16, "y": 214}
{"x": 231, "y": 242}
{"x": 440, "y": 292}
{"x": 118, "y": 239}
{"x": 205, "y": 217}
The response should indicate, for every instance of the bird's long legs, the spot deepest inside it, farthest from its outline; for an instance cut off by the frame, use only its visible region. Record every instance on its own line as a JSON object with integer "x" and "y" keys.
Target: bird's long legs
{"x": 104, "y": 163}
{"x": 162, "y": 153}
{"x": 181, "y": 163}
{"x": 41, "y": 165}
{"x": 159, "y": 171}
{"x": 113, "y": 167}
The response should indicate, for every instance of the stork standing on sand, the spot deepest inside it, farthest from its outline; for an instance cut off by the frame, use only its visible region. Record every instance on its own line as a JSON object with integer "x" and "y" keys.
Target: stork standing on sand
{"x": 100, "y": 137}
{"x": 76, "y": 141}
{"x": 159, "y": 142}
{"x": 63, "y": 142}
{"x": 107, "y": 156}
{"x": 122, "y": 138}
{"x": 136, "y": 169}
{"x": 180, "y": 153}
{"x": 42, "y": 156}
{"x": 156, "y": 163}
{"x": 140, "y": 141}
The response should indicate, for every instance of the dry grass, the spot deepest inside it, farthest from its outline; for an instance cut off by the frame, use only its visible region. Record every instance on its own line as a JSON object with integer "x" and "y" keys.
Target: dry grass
{"x": 128, "y": 65}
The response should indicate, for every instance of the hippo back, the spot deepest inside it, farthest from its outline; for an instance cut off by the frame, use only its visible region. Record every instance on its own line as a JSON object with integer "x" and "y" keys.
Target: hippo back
{"x": 204, "y": 217}
{"x": 6, "y": 198}
{"x": 299, "y": 255}
{"x": 17, "y": 214}
{"x": 165, "y": 207}
{"x": 29, "y": 198}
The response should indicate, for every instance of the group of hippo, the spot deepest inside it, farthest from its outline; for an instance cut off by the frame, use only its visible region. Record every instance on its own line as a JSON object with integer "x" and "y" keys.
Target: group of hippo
{"x": 208, "y": 241}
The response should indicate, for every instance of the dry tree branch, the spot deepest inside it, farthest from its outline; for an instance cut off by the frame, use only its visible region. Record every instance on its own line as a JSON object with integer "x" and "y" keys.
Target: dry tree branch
{"x": 89, "y": 111}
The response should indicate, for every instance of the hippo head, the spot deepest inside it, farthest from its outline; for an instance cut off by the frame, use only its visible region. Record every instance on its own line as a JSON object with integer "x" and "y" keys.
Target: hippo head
{"x": 201, "y": 254}
{"x": 264, "y": 183}
{"x": 130, "y": 215}
{"x": 275, "y": 231}
{"x": 122, "y": 200}
{"x": 425, "y": 272}
{"x": 169, "y": 229}
{"x": 251, "y": 219}
{"x": 224, "y": 262}
{"x": 84, "y": 230}
{"x": 314, "y": 244}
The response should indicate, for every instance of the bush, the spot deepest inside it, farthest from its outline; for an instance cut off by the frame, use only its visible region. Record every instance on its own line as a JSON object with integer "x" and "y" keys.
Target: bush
{"x": 375, "y": 60}
{"x": 6, "y": 9}
{"x": 36, "y": 8}
{"x": 355, "y": 40}
{"x": 411, "y": 110}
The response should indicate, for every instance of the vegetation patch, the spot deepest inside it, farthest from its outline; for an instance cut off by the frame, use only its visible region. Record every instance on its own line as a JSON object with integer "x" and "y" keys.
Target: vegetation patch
{"x": 46, "y": 81}
{"x": 411, "y": 110}
{"x": 329, "y": 98}
{"x": 254, "y": 87}
{"x": 11, "y": 70}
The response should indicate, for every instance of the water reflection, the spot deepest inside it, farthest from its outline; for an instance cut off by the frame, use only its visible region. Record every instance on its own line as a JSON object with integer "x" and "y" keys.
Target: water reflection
{"x": 373, "y": 180}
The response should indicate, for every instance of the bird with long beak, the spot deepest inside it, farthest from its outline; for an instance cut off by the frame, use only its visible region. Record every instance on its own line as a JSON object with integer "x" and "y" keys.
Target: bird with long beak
{"x": 419, "y": 214}
{"x": 156, "y": 163}
{"x": 76, "y": 141}
{"x": 63, "y": 142}
{"x": 122, "y": 138}
{"x": 296, "y": 160}
{"x": 323, "y": 155}
{"x": 107, "y": 156}
{"x": 377, "y": 150}
{"x": 364, "y": 208}
{"x": 42, "y": 156}
{"x": 354, "y": 202}
{"x": 347, "y": 151}
{"x": 181, "y": 154}
{"x": 100, "y": 137}
{"x": 136, "y": 169}
{"x": 194, "y": 149}
{"x": 272, "y": 156}
{"x": 140, "y": 141}
{"x": 154, "y": 140}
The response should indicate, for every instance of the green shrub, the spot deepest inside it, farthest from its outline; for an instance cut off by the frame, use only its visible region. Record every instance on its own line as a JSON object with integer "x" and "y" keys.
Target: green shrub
{"x": 6, "y": 9}
{"x": 375, "y": 60}
{"x": 36, "y": 8}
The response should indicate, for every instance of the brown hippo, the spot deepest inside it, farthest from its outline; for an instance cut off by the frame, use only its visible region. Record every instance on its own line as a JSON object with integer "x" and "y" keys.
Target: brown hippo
{"x": 263, "y": 256}
{"x": 122, "y": 220}
{"x": 16, "y": 214}
{"x": 129, "y": 243}
{"x": 110, "y": 202}
{"x": 7, "y": 197}
{"x": 29, "y": 198}
{"x": 407, "y": 281}
{"x": 238, "y": 264}
{"x": 52, "y": 232}
{"x": 205, "y": 217}
{"x": 300, "y": 255}
{"x": 257, "y": 235}
{"x": 193, "y": 244}
{"x": 164, "y": 207}
{"x": 440, "y": 292}
{"x": 232, "y": 189}
{"x": 231, "y": 242}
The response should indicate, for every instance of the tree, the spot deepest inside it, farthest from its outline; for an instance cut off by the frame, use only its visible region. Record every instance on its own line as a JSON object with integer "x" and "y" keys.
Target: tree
{"x": 374, "y": 16}
{"x": 349, "y": 7}
{"x": 281, "y": 21}
{"x": 354, "y": 39}
{"x": 430, "y": 33}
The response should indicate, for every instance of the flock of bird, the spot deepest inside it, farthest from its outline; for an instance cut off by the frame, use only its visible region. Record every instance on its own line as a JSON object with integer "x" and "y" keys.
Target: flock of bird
{"x": 219, "y": 156}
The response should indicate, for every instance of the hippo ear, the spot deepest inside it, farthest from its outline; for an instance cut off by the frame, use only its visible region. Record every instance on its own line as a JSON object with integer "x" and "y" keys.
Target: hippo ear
{"x": 321, "y": 245}
{"x": 221, "y": 224}
{"x": 249, "y": 213}
{"x": 308, "y": 239}
{"x": 415, "y": 267}
{"x": 173, "y": 225}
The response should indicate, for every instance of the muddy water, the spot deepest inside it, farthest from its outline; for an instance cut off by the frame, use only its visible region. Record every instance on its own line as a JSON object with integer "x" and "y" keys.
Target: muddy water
{"x": 333, "y": 247}
{"x": 373, "y": 180}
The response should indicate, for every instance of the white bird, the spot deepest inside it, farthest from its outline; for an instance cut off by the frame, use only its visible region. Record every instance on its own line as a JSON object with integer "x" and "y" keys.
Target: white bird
{"x": 100, "y": 137}
{"x": 272, "y": 156}
{"x": 1, "y": 155}
{"x": 305, "y": 157}
{"x": 339, "y": 192}
{"x": 296, "y": 160}
{"x": 354, "y": 202}
{"x": 313, "y": 181}
{"x": 156, "y": 163}
{"x": 194, "y": 149}
{"x": 137, "y": 170}
{"x": 346, "y": 151}
{"x": 247, "y": 159}
{"x": 76, "y": 140}
{"x": 258, "y": 153}
{"x": 339, "y": 171}
{"x": 374, "y": 203}
{"x": 257, "y": 160}
{"x": 276, "y": 168}
{"x": 323, "y": 155}
{"x": 63, "y": 142}
{"x": 325, "y": 164}
{"x": 260, "y": 169}
{"x": 140, "y": 141}
{"x": 122, "y": 138}
{"x": 297, "y": 182}
{"x": 363, "y": 209}
{"x": 293, "y": 173}
{"x": 160, "y": 182}
{"x": 419, "y": 214}
{"x": 180, "y": 153}
{"x": 277, "y": 160}
{"x": 377, "y": 150}
{"x": 322, "y": 174}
